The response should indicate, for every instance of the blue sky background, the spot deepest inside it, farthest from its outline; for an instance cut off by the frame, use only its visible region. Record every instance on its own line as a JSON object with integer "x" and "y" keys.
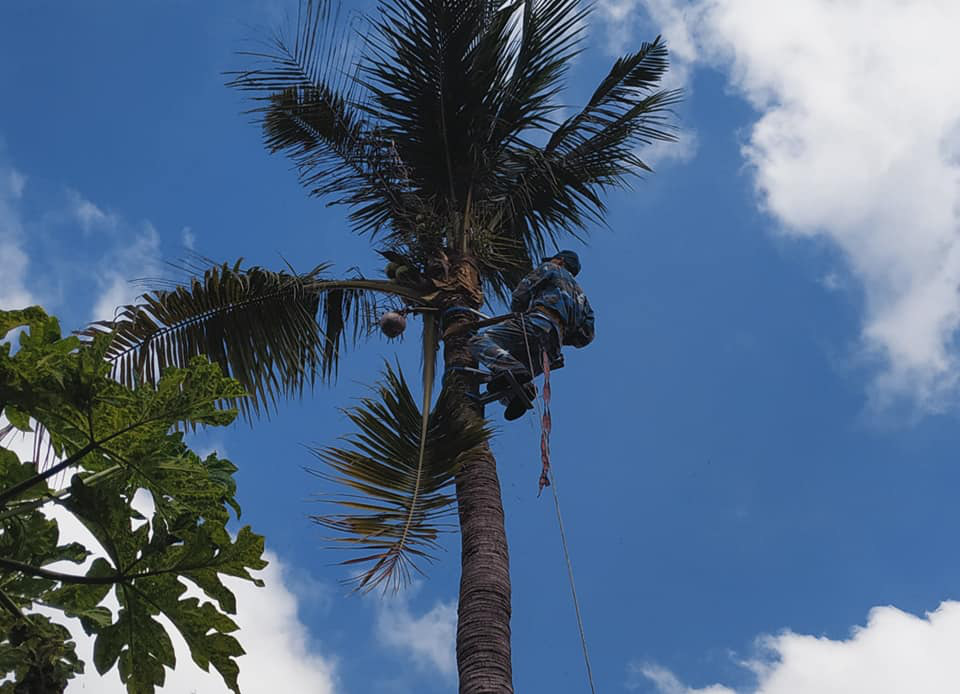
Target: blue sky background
{"x": 732, "y": 457}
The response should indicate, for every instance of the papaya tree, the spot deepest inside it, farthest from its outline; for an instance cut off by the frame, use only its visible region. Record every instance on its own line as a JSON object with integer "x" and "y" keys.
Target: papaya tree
{"x": 438, "y": 124}
{"x": 109, "y": 442}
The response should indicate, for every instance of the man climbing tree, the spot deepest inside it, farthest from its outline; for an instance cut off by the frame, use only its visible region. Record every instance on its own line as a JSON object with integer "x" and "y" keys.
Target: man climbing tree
{"x": 549, "y": 310}
{"x": 439, "y": 123}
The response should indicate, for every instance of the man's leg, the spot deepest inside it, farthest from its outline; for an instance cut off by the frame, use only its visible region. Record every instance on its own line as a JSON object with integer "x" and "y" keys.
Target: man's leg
{"x": 502, "y": 348}
{"x": 508, "y": 349}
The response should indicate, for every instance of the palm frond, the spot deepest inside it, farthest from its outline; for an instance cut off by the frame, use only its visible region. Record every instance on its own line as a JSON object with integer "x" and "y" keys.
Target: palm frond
{"x": 560, "y": 188}
{"x": 275, "y": 332}
{"x": 305, "y": 92}
{"x": 395, "y": 504}
{"x": 624, "y": 101}
{"x": 430, "y": 76}
{"x": 550, "y": 36}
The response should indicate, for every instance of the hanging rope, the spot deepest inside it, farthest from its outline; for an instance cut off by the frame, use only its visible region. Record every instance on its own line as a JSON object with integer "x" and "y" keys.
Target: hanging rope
{"x": 546, "y": 425}
{"x": 573, "y": 587}
{"x": 548, "y": 479}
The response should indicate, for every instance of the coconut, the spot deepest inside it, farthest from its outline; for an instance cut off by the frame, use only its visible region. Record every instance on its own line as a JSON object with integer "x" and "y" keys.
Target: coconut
{"x": 392, "y": 324}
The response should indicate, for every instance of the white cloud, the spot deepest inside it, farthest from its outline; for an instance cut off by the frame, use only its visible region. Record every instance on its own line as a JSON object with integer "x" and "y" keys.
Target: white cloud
{"x": 188, "y": 238}
{"x": 832, "y": 282}
{"x": 617, "y": 18}
{"x": 137, "y": 259}
{"x": 679, "y": 152}
{"x": 665, "y": 682}
{"x": 13, "y": 259}
{"x": 90, "y": 216}
{"x": 15, "y": 182}
{"x": 274, "y": 638}
{"x": 857, "y": 142}
{"x": 895, "y": 652}
{"x": 622, "y": 21}
{"x": 429, "y": 639}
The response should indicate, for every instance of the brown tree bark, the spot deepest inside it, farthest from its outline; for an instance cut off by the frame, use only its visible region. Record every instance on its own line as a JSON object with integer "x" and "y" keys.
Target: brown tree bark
{"x": 483, "y": 619}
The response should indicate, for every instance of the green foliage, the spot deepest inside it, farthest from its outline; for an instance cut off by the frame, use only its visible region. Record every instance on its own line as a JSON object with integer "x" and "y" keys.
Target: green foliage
{"x": 39, "y": 654}
{"x": 397, "y": 479}
{"x": 116, "y": 440}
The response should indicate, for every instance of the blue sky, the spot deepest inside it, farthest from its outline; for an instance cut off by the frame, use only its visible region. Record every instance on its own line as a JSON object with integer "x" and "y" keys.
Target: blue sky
{"x": 756, "y": 457}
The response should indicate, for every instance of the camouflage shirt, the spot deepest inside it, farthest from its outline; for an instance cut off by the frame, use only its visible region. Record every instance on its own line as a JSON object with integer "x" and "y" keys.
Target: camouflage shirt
{"x": 555, "y": 288}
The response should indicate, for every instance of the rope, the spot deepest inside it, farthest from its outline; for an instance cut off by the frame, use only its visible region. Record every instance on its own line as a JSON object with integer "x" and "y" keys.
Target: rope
{"x": 573, "y": 587}
{"x": 552, "y": 482}
{"x": 546, "y": 426}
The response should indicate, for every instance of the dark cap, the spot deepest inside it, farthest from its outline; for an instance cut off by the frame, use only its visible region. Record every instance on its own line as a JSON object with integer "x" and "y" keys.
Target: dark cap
{"x": 571, "y": 261}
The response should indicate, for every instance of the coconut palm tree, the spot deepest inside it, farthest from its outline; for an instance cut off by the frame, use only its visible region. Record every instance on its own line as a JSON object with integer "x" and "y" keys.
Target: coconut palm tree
{"x": 437, "y": 123}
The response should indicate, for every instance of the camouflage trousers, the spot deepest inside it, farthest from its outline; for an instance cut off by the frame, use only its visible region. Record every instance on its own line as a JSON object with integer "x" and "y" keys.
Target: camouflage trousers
{"x": 504, "y": 348}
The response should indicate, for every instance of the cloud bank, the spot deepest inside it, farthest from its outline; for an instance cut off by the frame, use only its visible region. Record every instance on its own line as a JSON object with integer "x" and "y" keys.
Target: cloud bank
{"x": 857, "y": 142}
{"x": 895, "y": 652}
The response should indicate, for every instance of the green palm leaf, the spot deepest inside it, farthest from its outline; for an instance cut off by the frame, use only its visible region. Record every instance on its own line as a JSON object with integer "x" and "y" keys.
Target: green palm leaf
{"x": 305, "y": 95}
{"x": 395, "y": 503}
{"x": 274, "y": 332}
{"x": 559, "y": 188}
{"x": 550, "y": 33}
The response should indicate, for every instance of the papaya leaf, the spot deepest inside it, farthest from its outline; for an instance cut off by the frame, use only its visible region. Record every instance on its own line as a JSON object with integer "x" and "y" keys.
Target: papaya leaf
{"x": 18, "y": 419}
{"x": 116, "y": 440}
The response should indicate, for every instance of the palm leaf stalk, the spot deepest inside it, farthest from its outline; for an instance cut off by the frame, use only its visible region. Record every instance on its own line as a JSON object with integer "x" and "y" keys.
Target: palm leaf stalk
{"x": 438, "y": 124}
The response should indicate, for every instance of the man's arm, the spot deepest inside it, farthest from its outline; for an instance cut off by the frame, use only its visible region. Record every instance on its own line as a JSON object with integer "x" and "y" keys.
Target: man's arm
{"x": 523, "y": 294}
{"x": 583, "y": 334}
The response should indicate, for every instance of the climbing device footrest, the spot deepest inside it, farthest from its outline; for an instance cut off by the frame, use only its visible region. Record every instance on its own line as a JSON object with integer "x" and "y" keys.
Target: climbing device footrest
{"x": 515, "y": 389}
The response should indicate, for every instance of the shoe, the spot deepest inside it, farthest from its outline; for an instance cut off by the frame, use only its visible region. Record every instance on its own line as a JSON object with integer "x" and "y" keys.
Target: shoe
{"x": 518, "y": 407}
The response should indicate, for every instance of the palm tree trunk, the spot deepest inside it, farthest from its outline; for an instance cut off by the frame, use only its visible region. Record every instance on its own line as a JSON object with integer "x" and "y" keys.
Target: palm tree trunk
{"x": 483, "y": 623}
